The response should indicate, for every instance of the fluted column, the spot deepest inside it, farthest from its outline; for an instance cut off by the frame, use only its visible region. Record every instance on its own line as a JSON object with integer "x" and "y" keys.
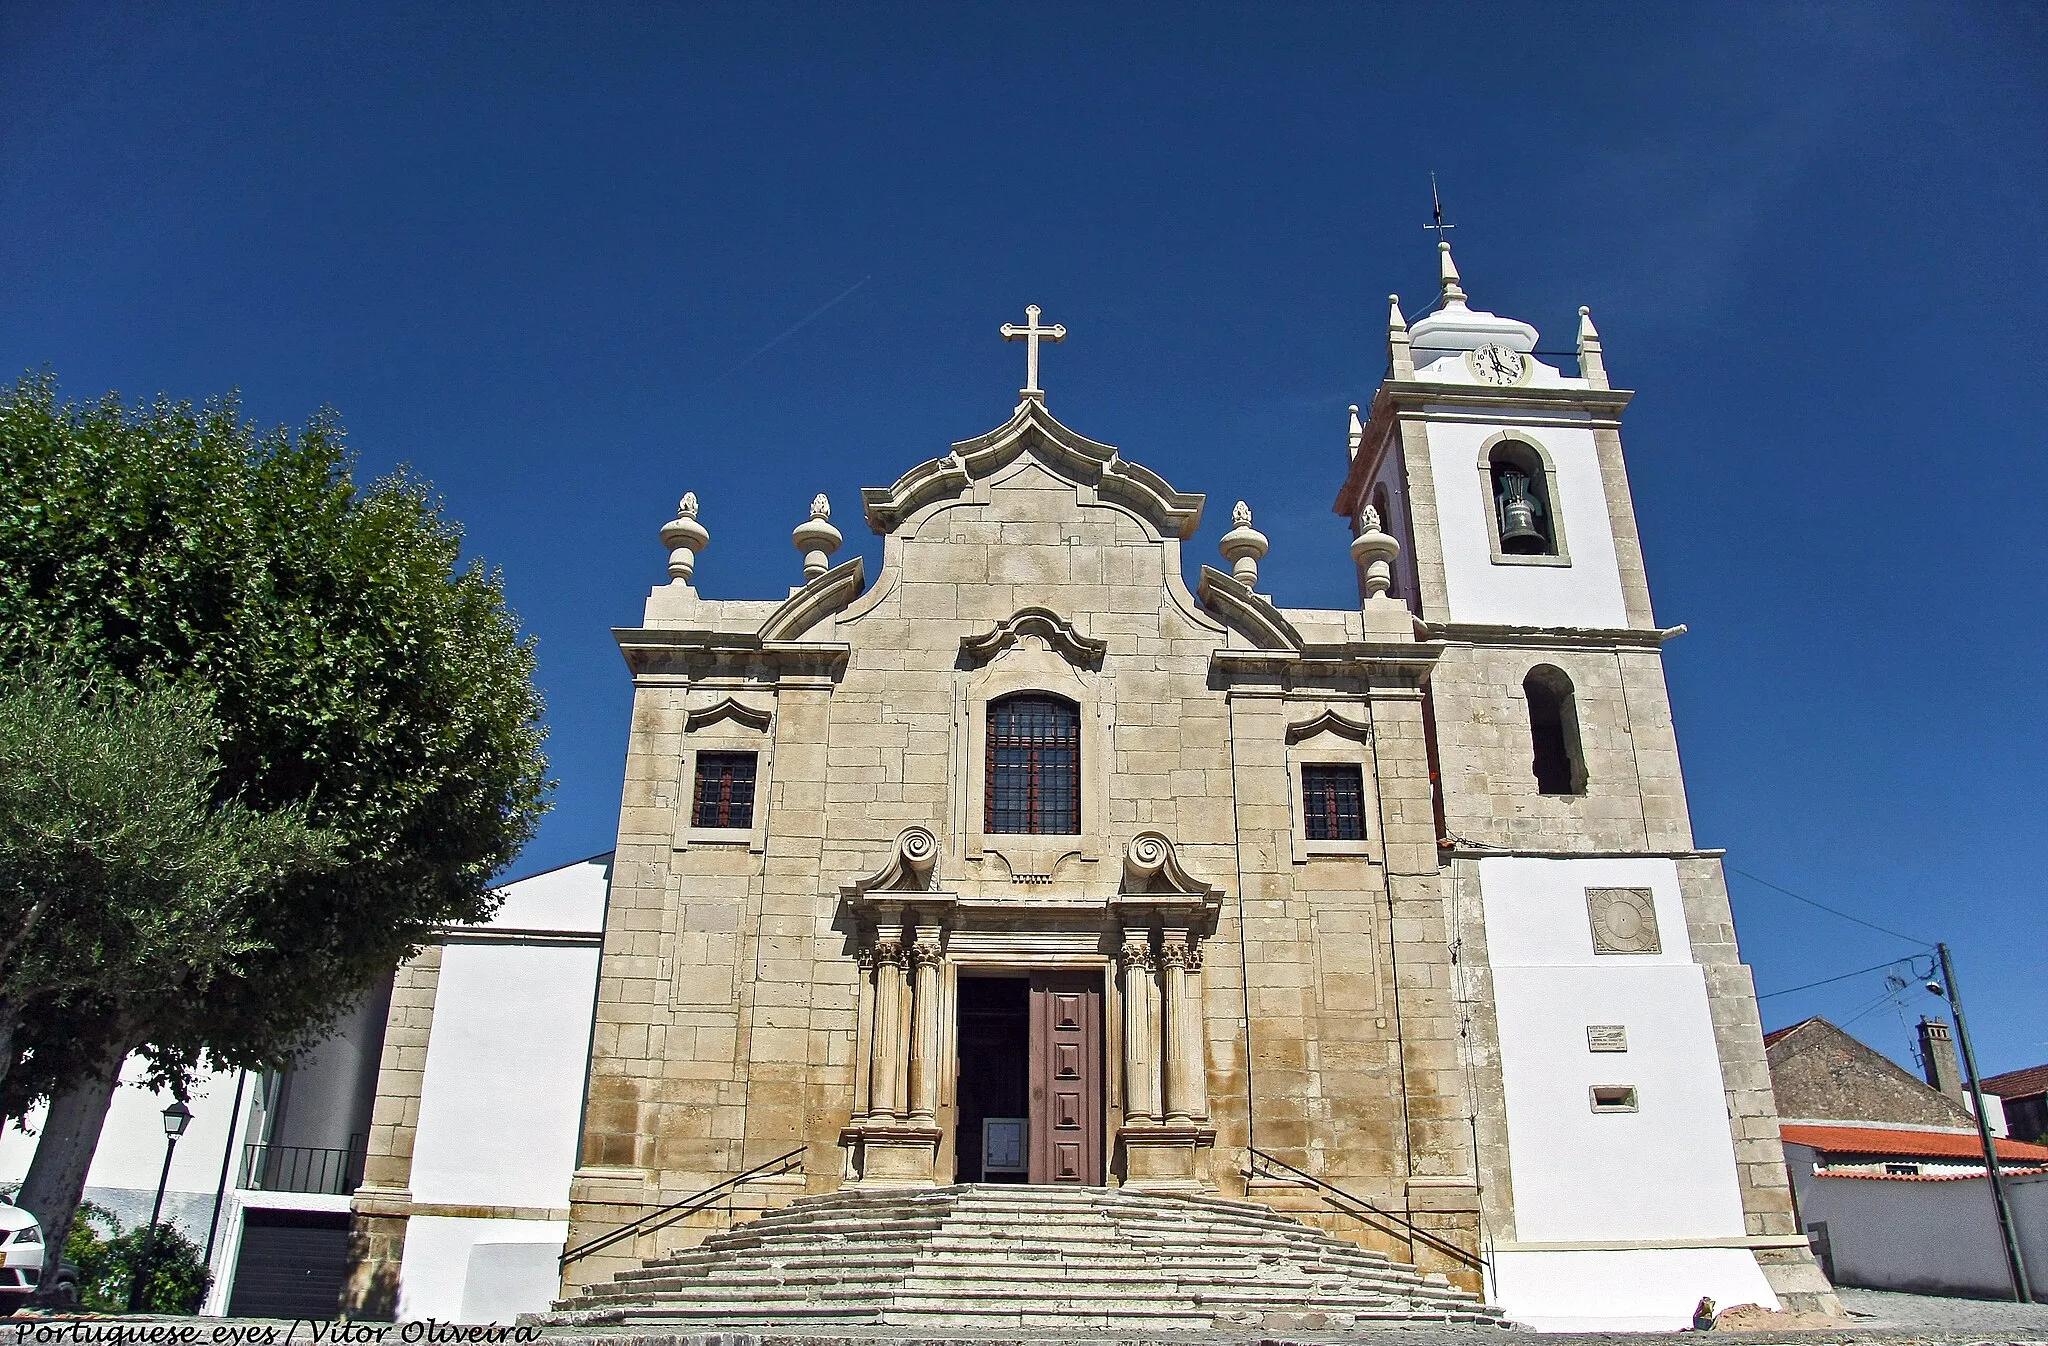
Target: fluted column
{"x": 885, "y": 1074}
{"x": 1187, "y": 1087}
{"x": 1141, "y": 1028}
{"x": 924, "y": 1026}
{"x": 864, "y": 1033}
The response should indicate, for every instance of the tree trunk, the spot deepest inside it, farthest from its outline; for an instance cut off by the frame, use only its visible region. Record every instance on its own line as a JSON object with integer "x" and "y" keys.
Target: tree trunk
{"x": 71, "y": 1132}
{"x": 10, "y": 1023}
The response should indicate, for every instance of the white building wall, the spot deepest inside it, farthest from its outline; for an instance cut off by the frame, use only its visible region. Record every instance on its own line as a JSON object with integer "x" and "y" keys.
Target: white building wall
{"x": 130, "y": 1155}
{"x": 1622, "y": 1219}
{"x": 1586, "y": 593}
{"x": 501, "y": 1103}
{"x": 1934, "y": 1236}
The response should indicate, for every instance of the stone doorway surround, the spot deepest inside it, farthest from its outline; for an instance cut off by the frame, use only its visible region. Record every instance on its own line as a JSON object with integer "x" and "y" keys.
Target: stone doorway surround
{"x": 913, "y": 937}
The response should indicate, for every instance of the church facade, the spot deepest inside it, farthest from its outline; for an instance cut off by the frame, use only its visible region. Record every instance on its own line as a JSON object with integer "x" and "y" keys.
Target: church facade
{"x": 1026, "y": 860}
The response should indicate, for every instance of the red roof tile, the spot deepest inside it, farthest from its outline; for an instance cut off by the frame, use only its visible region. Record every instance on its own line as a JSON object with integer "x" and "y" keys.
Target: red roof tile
{"x": 1929, "y": 1177}
{"x": 1916, "y": 1144}
{"x": 2018, "y": 1083}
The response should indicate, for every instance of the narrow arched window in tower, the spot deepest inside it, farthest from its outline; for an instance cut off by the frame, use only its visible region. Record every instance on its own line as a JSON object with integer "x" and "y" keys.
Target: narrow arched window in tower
{"x": 1034, "y": 765}
{"x": 1525, "y": 517}
{"x": 1559, "y": 761}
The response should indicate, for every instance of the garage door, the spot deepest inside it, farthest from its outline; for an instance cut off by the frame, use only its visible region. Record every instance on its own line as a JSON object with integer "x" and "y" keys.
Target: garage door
{"x": 291, "y": 1265}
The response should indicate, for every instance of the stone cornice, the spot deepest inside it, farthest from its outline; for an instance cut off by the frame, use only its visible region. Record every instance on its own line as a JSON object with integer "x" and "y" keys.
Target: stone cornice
{"x": 1580, "y": 637}
{"x": 657, "y": 653}
{"x": 1402, "y": 663}
{"x": 1032, "y": 429}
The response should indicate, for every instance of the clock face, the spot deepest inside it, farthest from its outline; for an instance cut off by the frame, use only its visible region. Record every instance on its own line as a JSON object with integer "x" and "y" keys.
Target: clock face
{"x": 1496, "y": 364}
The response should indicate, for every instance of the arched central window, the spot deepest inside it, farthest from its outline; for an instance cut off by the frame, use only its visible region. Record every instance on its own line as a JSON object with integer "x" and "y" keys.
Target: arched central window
{"x": 1034, "y": 766}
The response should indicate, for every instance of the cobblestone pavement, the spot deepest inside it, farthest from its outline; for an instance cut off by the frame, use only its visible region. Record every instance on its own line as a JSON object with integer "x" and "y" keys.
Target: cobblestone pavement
{"x": 1944, "y": 1314}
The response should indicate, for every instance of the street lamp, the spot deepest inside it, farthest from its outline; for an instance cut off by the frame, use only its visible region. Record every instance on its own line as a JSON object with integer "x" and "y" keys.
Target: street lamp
{"x": 176, "y": 1118}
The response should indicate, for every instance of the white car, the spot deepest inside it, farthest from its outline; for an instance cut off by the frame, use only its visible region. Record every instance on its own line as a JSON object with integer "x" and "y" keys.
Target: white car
{"x": 21, "y": 1255}
{"x": 21, "y": 1262}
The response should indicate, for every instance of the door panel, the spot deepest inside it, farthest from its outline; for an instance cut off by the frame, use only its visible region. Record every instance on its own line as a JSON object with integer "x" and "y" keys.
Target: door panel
{"x": 1066, "y": 1078}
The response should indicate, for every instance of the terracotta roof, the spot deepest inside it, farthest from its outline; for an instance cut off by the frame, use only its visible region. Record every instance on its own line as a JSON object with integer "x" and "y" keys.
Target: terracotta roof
{"x": 1917, "y": 1144}
{"x": 2018, "y": 1083}
{"x": 1771, "y": 1038}
{"x": 1930, "y": 1177}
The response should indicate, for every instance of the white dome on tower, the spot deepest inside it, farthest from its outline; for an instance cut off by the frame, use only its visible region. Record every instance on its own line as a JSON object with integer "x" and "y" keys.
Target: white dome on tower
{"x": 1455, "y": 327}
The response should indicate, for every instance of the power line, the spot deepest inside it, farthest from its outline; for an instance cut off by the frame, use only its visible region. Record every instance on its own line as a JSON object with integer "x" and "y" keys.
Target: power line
{"x": 1828, "y": 981}
{"x": 1796, "y": 897}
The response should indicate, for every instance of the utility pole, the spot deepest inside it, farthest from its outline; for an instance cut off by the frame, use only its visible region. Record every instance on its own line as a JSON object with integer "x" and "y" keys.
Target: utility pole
{"x": 2015, "y": 1264}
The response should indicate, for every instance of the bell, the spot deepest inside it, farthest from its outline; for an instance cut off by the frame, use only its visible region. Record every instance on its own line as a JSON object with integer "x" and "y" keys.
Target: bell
{"x": 1519, "y": 531}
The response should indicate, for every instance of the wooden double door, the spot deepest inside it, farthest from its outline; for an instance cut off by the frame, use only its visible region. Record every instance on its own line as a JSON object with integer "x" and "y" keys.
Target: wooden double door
{"x": 1031, "y": 1054}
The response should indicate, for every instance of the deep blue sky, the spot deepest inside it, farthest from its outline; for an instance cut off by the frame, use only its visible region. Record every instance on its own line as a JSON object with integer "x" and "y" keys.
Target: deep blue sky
{"x": 543, "y": 253}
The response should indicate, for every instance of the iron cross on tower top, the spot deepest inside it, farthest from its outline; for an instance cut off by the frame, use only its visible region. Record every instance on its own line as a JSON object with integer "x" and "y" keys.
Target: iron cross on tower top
{"x": 1031, "y": 334}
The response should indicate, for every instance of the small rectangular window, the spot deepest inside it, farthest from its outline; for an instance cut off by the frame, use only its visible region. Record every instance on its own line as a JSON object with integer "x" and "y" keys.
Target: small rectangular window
{"x": 725, "y": 790}
{"x": 1333, "y": 802}
{"x": 1614, "y": 1098}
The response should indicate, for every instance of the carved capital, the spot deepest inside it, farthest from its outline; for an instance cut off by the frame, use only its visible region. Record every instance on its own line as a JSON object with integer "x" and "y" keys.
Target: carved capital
{"x": 1187, "y": 957}
{"x": 1136, "y": 952}
{"x": 926, "y": 953}
{"x": 887, "y": 950}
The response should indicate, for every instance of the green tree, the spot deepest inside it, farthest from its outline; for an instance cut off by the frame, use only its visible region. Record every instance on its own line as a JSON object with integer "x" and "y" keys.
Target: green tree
{"x": 108, "y": 1256}
{"x": 357, "y": 669}
{"x": 131, "y": 886}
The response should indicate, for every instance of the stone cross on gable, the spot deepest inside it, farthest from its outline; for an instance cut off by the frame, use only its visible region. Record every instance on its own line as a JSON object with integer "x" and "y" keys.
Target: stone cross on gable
{"x": 1031, "y": 334}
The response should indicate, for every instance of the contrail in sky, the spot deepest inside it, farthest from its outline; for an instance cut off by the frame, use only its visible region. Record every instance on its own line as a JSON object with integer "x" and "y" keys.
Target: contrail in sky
{"x": 810, "y": 318}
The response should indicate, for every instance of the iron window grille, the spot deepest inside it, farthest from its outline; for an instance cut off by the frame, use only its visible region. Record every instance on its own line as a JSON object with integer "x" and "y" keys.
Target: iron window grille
{"x": 1333, "y": 802}
{"x": 725, "y": 790}
{"x": 1034, "y": 766}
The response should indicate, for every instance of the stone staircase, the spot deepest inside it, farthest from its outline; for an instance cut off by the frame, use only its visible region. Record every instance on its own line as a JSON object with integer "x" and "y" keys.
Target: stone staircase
{"x": 987, "y": 1256}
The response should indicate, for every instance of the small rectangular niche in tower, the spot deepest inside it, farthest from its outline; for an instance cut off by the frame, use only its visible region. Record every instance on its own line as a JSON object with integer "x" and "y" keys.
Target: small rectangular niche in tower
{"x": 1614, "y": 1098}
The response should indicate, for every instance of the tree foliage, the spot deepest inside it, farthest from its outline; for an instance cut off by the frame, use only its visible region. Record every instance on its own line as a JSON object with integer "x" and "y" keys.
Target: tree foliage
{"x": 131, "y": 888}
{"x": 356, "y": 669}
{"x": 108, "y": 1256}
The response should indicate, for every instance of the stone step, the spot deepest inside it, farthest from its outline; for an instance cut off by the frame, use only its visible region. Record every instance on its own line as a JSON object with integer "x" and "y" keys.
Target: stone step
{"x": 1023, "y": 1257}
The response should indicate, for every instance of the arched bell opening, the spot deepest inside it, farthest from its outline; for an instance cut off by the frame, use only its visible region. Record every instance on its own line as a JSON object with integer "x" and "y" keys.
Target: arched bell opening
{"x": 1524, "y": 513}
{"x": 1558, "y": 759}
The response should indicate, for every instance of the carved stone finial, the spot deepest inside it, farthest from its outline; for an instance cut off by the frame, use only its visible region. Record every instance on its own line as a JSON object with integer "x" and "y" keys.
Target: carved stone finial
{"x": 1243, "y": 546}
{"x": 684, "y": 537}
{"x": 1374, "y": 551}
{"x": 1354, "y": 434}
{"x": 1592, "y": 364}
{"x": 1400, "y": 354}
{"x": 1454, "y": 293}
{"x": 817, "y": 539}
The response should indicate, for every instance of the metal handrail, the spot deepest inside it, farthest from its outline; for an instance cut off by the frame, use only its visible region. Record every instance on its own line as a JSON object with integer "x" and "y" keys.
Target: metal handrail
{"x": 1338, "y": 1197}
{"x": 688, "y": 1206}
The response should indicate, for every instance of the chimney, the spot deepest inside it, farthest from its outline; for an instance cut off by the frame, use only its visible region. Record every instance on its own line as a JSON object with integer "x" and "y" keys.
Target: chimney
{"x": 1938, "y": 1058}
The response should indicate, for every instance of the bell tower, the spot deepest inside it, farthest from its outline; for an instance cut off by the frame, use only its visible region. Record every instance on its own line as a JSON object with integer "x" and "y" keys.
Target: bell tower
{"x": 1503, "y": 473}
{"x": 1628, "y": 1140}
